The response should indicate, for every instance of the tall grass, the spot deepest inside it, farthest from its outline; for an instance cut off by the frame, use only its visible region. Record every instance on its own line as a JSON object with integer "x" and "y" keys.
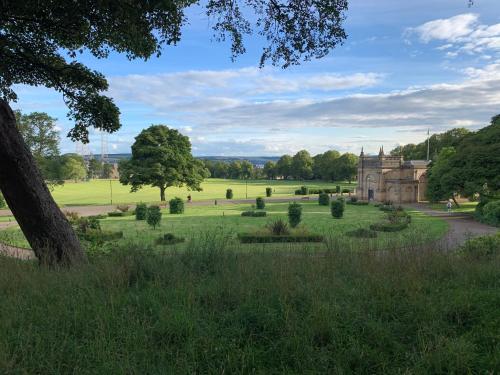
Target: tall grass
{"x": 213, "y": 309}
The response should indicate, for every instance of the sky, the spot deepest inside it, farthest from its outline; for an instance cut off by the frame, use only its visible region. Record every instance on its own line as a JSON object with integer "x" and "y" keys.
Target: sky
{"x": 406, "y": 67}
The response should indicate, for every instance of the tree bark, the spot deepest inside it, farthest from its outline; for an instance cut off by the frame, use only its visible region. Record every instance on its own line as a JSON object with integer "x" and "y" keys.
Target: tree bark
{"x": 162, "y": 193}
{"x": 455, "y": 200}
{"x": 46, "y": 228}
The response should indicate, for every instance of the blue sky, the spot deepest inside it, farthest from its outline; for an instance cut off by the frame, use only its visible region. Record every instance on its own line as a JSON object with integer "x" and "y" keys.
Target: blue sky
{"x": 406, "y": 66}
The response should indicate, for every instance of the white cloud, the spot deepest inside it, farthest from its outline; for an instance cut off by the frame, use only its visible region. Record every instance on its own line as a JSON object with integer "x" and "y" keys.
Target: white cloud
{"x": 462, "y": 34}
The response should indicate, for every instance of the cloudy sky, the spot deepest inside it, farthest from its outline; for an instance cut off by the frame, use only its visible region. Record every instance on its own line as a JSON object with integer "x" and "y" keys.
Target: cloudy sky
{"x": 407, "y": 66}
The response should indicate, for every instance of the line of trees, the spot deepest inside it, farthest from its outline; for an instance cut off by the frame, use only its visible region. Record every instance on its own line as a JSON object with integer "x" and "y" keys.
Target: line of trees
{"x": 329, "y": 166}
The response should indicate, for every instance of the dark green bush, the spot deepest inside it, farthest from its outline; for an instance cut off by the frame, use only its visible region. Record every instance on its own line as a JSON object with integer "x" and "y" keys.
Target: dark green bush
{"x": 99, "y": 236}
{"x": 141, "y": 211}
{"x": 169, "y": 239}
{"x": 176, "y": 206}
{"x": 346, "y": 191}
{"x": 314, "y": 191}
{"x": 337, "y": 208}
{"x": 269, "y": 191}
{"x": 254, "y": 213}
{"x": 362, "y": 233}
{"x": 354, "y": 199}
{"x": 260, "y": 203}
{"x": 337, "y": 189}
{"x": 116, "y": 214}
{"x": 386, "y": 207}
{"x": 491, "y": 213}
{"x": 389, "y": 227}
{"x": 304, "y": 190}
{"x": 294, "y": 214}
{"x": 229, "y": 194}
{"x": 263, "y": 238}
{"x": 153, "y": 216}
{"x": 358, "y": 203}
{"x": 98, "y": 217}
{"x": 3, "y": 204}
{"x": 324, "y": 199}
{"x": 278, "y": 228}
{"x": 484, "y": 247}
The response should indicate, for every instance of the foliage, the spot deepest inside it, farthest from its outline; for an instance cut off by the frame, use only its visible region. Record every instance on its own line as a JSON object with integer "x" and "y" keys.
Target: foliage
{"x": 141, "y": 211}
{"x": 491, "y": 213}
{"x": 3, "y": 204}
{"x": 229, "y": 194}
{"x": 337, "y": 208}
{"x": 269, "y": 192}
{"x": 270, "y": 170}
{"x": 123, "y": 207}
{"x": 73, "y": 168}
{"x": 362, "y": 233}
{"x": 278, "y": 228}
{"x": 169, "y": 239}
{"x": 176, "y": 206}
{"x": 254, "y": 213}
{"x": 294, "y": 214}
{"x": 271, "y": 238}
{"x": 153, "y": 216}
{"x": 39, "y": 133}
{"x": 388, "y": 226}
{"x": 72, "y": 216}
{"x": 284, "y": 166}
{"x": 324, "y": 199}
{"x": 302, "y": 165}
{"x": 161, "y": 157}
{"x": 346, "y": 191}
{"x": 117, "y": 214}
{"x": 483, "y": 247}
{"x": 260, "y": 203}
{"x": 443, "y": 180}
{"x": 98, "y": 236}
{"x": 107, "y": 169}
{"x": 357, "y": 203}
{"x": 337, "y": 189}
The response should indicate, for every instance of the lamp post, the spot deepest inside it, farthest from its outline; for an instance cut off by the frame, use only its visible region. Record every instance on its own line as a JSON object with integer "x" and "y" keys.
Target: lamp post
{"x": 246, "y": 188}
{"x": 111, "y": 191}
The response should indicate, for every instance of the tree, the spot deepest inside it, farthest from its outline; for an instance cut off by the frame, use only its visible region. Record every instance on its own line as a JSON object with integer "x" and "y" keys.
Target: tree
{"x": 270, "y": 170}
{"x": 95, "y": 168}
{"x": 325, "y": 165}
{"x": 235, "y": 169}
{"x": 107, "y": 169}
{"x": 284, "y": 166}
{"x": 39, "y": 45}
{"x": 302, "y": 164}
{"x": 443, "y": 180}
{"x": 39, "y": 133}
{"x": 153, "y": 216}
{"x": 246, "y": 169}
{"x": 347, "y": 167}
{"x": 73, "y": 168}
{"x": 161, "y": 157}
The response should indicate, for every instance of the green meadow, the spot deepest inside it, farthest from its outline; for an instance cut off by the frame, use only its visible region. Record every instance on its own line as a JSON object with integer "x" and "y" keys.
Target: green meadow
{"x": 101, "y": 192}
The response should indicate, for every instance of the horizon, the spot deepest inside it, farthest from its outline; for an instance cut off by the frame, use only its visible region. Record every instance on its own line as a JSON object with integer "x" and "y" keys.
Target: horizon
{"x": 403, "y": 69}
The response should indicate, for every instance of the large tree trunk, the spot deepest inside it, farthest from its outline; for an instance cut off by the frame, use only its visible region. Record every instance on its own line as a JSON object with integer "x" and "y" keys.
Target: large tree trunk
{"x": 46, "y": 228}
{"x": 162, "y": 194}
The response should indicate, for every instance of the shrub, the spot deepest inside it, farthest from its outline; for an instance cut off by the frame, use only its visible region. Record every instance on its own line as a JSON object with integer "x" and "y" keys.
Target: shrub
{"x": 294, "y": 214}
{"x": 85, "y": 223}
{"x": 169, "y": 239}
{"x": 491, "y": 213}
{"x": 176, "y": 206}
{"x": 358, "y": 203}
{"x": 98, "y": 217}
{"x": 2, "y": 201}
{"x": 362, "y": 233}
{"x": 337, "y": 208}
{"x": 141, "y": 211}
{"x": 122, "y": 207}
{"x": 304, "y": 190}
{"x": 354, "y": 199}
{"x": 324, "y": 199}
{"x": 278, "y": 228}
{"x": 72, "y": 216}
{"x": 389, "y": 227}
{"x": 229, "y": 194}
{"x": 268, "y": 238}
{"x": 260, "y": 204}
{"x": 386, "y": 207}
{"x": 346, "y": 191}
{"x": 269, "y": 192}
{"x": 484, "y": 247}
{"x": 153, "y": 216}
{"x": 337, "y": 189}
{"x": 116, "y": 214}
{"x": 254, "y": 213}
{"x": 99, "y": 236}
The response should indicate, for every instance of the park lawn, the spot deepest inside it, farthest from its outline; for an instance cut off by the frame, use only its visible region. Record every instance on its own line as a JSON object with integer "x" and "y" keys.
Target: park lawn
{"x": 198, "y": 221}
{"x": 99, "y": 192}
{"x": 466, "y": 207}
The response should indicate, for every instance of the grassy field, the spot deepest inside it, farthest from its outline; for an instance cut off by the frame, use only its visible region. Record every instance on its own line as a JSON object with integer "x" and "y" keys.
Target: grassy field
{"x": 98, "y": 192}
{"x": 468, "y": 207}
{"x": 212, "y": 310}
{"x": 198, "y": 220}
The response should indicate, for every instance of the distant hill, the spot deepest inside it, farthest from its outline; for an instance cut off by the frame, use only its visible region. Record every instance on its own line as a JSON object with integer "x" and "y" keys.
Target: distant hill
{"x": 255, "y": 160}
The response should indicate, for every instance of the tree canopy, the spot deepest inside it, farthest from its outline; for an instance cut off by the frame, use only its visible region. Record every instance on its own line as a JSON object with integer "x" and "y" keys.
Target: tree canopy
{"x": 161, "y": 157}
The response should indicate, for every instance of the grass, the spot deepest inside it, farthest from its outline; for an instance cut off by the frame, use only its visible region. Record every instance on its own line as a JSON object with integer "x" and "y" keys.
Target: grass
{"x": 98, "y": 192}
{"x": 214, "y": 309}
{"x": 465, "y": 207}
{"x": 315, "y": 218}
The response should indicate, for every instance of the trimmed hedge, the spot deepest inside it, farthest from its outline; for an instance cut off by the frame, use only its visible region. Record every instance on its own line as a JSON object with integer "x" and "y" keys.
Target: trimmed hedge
{"x": 337, "y": 208}
{"x": 97, "y": 235}
{"x": 260, "y": 203}
{"x": 117, "y": 214}
{"x": 315, "y": 191}
{"x": 324, "y": 199}
{"x": 362, "y": 233}
{"x": 269, "y": 191}
{"x": 176, "y": 206}
{"x": 294, "y": 214}
{"x": 388, "y": 227}
{"x": 141, "y": 211}
{"x": 269, "y": 238}
{"x": 229, "y": 194}
{"x": 358, "y": 203}
{"x": 254, "y": 213}
{"x": 169, "y": 239}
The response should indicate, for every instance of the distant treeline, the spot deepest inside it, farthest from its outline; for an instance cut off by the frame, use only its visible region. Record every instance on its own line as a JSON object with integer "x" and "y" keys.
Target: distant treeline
{"x": 329, "y": 166}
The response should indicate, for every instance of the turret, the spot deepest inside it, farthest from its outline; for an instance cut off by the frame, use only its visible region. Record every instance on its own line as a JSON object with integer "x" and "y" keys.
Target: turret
{"x": 362, "y": 153}
{"x": 381, "y": 152}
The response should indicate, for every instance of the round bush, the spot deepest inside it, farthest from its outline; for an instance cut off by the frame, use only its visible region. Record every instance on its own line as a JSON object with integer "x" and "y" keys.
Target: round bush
{"x": 141, "y": 211}
{"x": 269, "y": 192}
{"x": 176, "y": 206}
{"x": 294, "y": 214}
{"x": 153, "y": 216}
{"x": 337, "y": 208}
{"x": 324, "y": 199}
{"x": 337, "y": 189}
{"x": 304, "y": 190}
{"x": 229, "y": 194}
{"x": 491, "y": 213}
{"x": 260, "y": 203}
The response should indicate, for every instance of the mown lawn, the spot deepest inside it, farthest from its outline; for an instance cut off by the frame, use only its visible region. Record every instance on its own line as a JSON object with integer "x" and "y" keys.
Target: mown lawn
{"x": 468, "y": 207}
{"x": 198, "y": 220}
{"x": 213, "y": 310}
{"x": 99, "y": 192}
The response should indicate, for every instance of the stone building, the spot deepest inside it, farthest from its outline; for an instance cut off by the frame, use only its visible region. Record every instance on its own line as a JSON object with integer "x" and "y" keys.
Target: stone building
{"x": 389, "y": 178}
